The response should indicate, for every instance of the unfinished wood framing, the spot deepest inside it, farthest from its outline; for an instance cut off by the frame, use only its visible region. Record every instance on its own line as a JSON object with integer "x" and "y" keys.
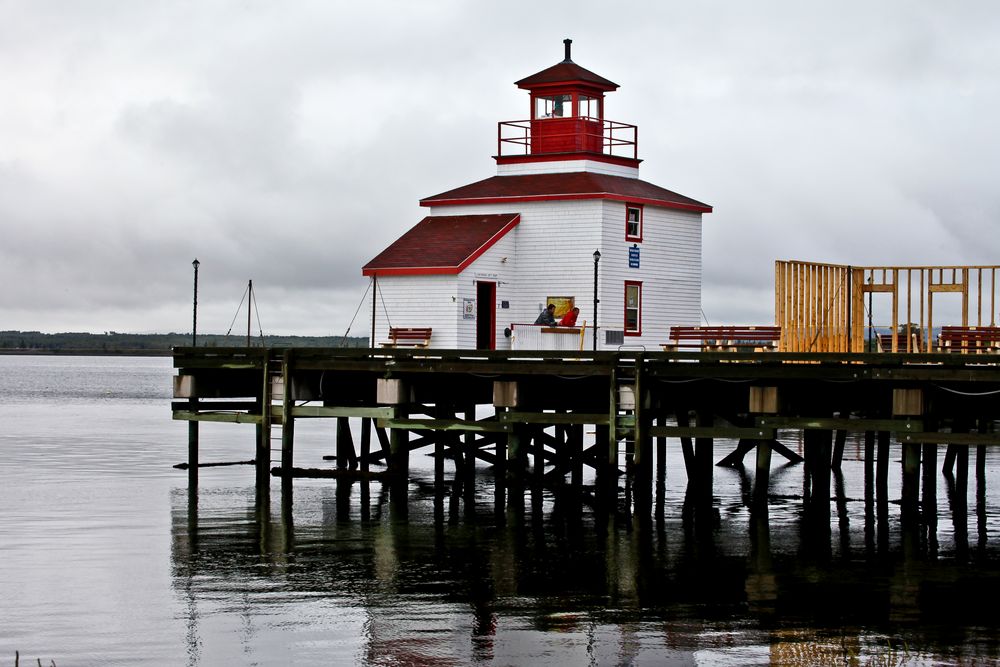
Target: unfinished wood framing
{"x": 836, "y": 308}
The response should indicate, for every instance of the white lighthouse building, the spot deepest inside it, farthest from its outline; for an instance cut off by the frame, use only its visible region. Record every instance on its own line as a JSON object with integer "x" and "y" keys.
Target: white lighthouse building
{"x": 566, "y": 221}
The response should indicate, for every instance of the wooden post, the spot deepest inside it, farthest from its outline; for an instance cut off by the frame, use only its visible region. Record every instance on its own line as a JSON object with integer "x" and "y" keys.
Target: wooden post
{"x": 818, "y": 444}
{"x": 762, "y": 475}
{"x": 704, "y": 452}
{"x": 470, "y": 450}
{"x": 500, "y": 472}
{"x": 643, "y": 461}
{"x": 399, "y": 449}
{"x": 193, "y": 446}
{"x": 366, "y": 442}
{"x": 839, "y": 441}
{"x": 262, "y": 457}
{"x": 882, "y": 466}
{"x": 287, "y": 421}
{"x": 346, "y": 455}
{"x": 869, "y": 466}
{"x": 611, "y": 435}
{"x": 911, "y": 478}
{"x": 661, "y": 453}
{"x": 576, "y": 447}
{"x": 687, "y": 448}
{"x": 909, "y": 402}
{"x": 929, "y": 481}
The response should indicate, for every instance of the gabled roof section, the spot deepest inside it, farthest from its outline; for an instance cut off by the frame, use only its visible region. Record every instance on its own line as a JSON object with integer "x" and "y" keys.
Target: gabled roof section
{"x": 441, "y": 244}
{"x": 565, "y": 185}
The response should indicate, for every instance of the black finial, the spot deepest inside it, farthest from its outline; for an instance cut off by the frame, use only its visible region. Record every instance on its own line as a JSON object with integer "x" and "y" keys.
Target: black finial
{"x": 568, "y": 43}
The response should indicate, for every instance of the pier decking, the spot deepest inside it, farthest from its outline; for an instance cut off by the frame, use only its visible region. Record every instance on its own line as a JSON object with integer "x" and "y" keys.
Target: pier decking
{"x": 543, "y": 417}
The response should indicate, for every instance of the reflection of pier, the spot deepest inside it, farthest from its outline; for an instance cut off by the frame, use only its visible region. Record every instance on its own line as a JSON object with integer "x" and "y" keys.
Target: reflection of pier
{"x": 611, "y": 587}
{"x": 531, "y": 417}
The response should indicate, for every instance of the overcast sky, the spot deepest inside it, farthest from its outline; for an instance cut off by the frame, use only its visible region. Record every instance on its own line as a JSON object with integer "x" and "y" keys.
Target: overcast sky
{"x": 289, "y": 142}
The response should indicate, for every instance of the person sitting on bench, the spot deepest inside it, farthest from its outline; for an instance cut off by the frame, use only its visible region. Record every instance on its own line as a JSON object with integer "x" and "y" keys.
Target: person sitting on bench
{"x": 569, "y": 319}
{"x": 547, "y": 316}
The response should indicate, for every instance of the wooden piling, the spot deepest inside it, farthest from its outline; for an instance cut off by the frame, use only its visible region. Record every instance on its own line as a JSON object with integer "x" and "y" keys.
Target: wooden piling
{"x": 287, "y": 420}
{"x": 762, "y": 475}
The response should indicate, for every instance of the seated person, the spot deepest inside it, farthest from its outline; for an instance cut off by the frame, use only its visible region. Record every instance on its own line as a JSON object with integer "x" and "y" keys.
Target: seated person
{"x": 569, "y": 319}
{"x": 547, "y": 316}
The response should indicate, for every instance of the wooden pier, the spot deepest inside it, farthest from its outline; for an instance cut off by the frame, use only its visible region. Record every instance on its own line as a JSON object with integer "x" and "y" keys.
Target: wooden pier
{"x": 546, "y": 418}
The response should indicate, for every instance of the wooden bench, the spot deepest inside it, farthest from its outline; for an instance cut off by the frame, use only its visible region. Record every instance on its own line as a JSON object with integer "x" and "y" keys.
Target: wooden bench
{"x": 885, "y": 341}
{"x": 970, "y": 339}
{"x": 408, "y": 337}
{"x": 723, "y": 338}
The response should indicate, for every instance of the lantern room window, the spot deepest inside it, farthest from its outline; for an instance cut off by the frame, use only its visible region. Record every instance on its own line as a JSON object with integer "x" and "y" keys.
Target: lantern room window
{"x": 590, "y": 107}
{"x": 554, "y": 106}
{"x": 633, "y": 222}
{"x": 633, "y": 308}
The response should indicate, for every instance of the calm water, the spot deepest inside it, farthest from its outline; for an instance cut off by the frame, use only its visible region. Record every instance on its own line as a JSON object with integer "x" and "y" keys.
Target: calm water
{"x": 107, "y": 558}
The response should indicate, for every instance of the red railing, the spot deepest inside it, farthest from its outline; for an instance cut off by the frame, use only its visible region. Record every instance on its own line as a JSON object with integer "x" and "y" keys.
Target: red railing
{"x": 567, "y": 135}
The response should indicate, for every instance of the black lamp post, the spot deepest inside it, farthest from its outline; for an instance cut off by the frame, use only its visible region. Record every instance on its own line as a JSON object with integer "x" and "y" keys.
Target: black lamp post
{"x": 597, "y": 258}
{"x": 194, "y": 324}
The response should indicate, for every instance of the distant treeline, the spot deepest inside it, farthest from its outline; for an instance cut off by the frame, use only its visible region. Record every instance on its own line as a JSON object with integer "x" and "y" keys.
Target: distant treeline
{"x": 111, "y": 342}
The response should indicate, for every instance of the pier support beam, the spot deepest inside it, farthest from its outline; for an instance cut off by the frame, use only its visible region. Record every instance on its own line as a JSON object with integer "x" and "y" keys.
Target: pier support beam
{"x": 193, "y": 446}
{"x": 262, "y": 453}
{"x": 287, "y": 420}
{"x": 762, "y": 476}
{"x": 909, "y": 402}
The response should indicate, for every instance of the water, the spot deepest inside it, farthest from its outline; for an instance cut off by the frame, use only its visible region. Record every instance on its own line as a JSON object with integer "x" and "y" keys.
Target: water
{"x": 106, "y": 558}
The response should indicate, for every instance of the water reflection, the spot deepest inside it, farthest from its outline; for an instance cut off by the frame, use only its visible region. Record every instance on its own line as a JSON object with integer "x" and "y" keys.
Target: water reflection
{"x": 430, "y": 575}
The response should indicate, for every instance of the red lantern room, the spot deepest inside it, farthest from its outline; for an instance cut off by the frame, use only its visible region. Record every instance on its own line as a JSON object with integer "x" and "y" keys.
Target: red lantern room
{"x": 566, "y": 120}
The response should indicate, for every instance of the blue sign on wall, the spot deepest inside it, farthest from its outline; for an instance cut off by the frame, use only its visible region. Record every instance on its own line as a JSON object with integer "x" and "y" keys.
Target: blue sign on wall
{"x": 633, "y": 257}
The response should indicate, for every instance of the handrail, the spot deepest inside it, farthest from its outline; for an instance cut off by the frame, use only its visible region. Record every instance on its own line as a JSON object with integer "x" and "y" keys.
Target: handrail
{"x": 519, "y": 134}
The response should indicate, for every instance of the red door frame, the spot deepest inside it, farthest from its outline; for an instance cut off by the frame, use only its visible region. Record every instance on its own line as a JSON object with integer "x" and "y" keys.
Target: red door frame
{"x": 486, "y": 308}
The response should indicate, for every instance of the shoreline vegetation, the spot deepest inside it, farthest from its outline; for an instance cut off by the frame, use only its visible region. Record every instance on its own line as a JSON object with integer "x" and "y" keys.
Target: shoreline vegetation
{"x": 151, "y": 345}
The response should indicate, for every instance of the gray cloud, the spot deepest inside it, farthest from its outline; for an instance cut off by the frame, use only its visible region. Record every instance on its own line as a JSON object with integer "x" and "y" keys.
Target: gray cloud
{"x": 289, "y": 144}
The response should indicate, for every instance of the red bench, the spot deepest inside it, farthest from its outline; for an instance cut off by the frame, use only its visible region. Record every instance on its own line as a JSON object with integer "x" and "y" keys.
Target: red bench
{"x": 723, "y": 338}
{"x": 970, "y": 339}
{"x": 408, "y": 337}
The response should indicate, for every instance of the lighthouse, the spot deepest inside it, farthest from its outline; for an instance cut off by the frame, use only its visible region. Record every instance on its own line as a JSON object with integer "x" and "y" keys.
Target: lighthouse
{"x": 566, "y": 221}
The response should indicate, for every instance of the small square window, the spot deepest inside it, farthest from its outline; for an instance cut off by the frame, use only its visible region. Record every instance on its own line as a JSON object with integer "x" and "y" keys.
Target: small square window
{"x": 633, "y": 223}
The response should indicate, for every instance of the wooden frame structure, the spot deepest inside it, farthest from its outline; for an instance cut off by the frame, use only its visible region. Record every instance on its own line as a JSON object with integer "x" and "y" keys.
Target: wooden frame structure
{"x": 823, "y": 307}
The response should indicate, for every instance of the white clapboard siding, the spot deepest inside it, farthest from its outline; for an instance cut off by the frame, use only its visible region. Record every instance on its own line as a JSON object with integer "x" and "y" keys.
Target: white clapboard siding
{"x": 495, "y": 265}
{"x": 550, "y": 253}
{"x": 418, "y": 301}
{"x": 669, "y": 269}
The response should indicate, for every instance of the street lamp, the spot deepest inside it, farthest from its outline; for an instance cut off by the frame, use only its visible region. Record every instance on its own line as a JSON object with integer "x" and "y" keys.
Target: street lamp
{"x": 194, "y": 324}
{"x": 597, "y": 258}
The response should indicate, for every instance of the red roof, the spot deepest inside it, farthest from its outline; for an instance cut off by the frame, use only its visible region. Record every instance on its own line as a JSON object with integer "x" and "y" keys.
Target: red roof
{"x": 569, "y": 185}
{"x": 441, "y": 244}
{"x": 566, "y": 72}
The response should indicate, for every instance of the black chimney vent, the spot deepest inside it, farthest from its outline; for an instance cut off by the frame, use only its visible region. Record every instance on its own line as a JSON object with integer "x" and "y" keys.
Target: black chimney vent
{"x": 568, "y": 43}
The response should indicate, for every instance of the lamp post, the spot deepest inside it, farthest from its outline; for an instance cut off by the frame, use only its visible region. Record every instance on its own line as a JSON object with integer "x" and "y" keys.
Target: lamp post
{"x": 194, "y": 324}
{"x": 597, "y": 258}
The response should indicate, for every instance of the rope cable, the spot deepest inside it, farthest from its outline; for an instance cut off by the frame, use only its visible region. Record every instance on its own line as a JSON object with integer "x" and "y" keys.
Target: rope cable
{"x": 256, "y": 309}
{"x": 233, "y": 323}
{"x": 384, "y": 309}
{"x": 361, "y": 303}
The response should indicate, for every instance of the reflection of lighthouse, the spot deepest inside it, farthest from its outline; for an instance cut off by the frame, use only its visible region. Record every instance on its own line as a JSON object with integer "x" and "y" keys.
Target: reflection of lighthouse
{"x": 493, "y": 254}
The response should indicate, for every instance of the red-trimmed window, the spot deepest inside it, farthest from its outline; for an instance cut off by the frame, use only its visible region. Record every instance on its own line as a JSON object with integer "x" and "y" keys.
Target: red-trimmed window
{"x": 633, "y": 222}
{"x": 633, "y": 308}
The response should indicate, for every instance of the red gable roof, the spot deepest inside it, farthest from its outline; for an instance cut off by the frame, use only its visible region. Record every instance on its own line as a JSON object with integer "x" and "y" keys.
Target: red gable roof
{"x": 441, "y": 244}
{"x": 569, "y": 185}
